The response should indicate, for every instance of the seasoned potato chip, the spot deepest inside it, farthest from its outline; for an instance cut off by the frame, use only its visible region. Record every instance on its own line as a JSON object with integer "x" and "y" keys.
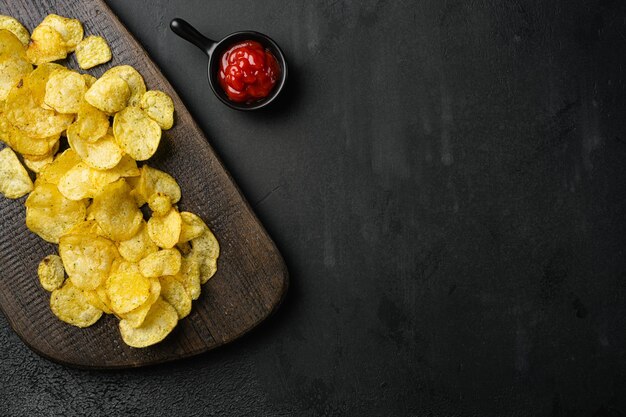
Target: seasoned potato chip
{"x": 160, "y": 107}
{"x": 37, "y": 80}
{"x": 14, "y": 26}
{"x": 92, "y": 51}
{"x": 136, "y": 317}
{"x": 14, "y": 180}
{"x": 50, "y": 215}
{"x": 154, "y": 181}
{"x": 207, "y": 250}
{"x": 136, "y": 133}
{"x": 109, "y": 93}
{"x": 87, "y": 227}
{"x": 165, "y": 230}
{"x": 160, "y": 204}
{"x": 64, "y": 91}
{"x": 12, "y": 70}
{"x": 101, "y": 154}
{"x": 116, "y": 212}
{"x": 71, "y": 306}
{"x": 192, "y": 227}
{"x": 22, "y": 111}
{"x": 163, "y": 262}
{"x": 46, "y": 45}
{"x": 51, "y": 272}
{"x": 82, "y": 181}
{"x": 10, "y": 45}
{"x": 127, "y": 291}
{"x": 71, "y": 30}
{"x": 137, "y": 247}
{"x": 25, "y": 144}
{"x": 91, "y": 123}
{"x": 159, "y": 322}
{"x": 36, "y": 165}
{"x": 134, "y": 80}
{"x": 53, "y": 172}
{"x": 87, "y": 259}
{"x": 174, "y": 293}
{"x": 189, "y": 276}
{"x": 93, "y": 298}
{"x": 127, "y": 168}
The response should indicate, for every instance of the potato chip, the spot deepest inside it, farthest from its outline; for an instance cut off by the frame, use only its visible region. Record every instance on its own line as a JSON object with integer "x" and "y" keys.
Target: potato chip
{"x": 155, "y": 181}
{"x": 36, "y": 165}
{"x": 136, "y": 133}
{"x": 104, "y": 298}
{"x": 22, "y": 111}
{"x": 137, "y": 247}
{"x": 160, "y": 107}
{"x": 160, "y": 204}
{"x": 51, "y": 272}
{"x": 91, "y": 123}
{"x": 174, "y": 293}
{"x": 71, "y": 30}
{"x": 134, "y": 80}
{"x": 136, "y": 317}
{"x": 64, "y": 91}
{"x": 12, "y": 70}
{"x": 163, "y": 262}
{"x": 37, "y": 80}
{"x": 206, "y": 249}
{"x": 46, "y": 45}
{"x": 53, "y": 172}
{"x": 102, "y": 154}
{"x": 82, "y": 181}
{"x": 50, "y": 215}
{"x": 14, "y": 26}
{"x": 116, "y": 212}
{"x": 189, "y": 276}
{"x": 10, "y": 44}
{"x": 127, "y": 291}
{"x": 25, "y": 144}
{"x": 92, "y": 51}
{"x": 160, "y": 321}
{"x": 127, "y": 168}
{"x": 109, "y": 94}
{"x": 70, "y": 305}
{"x": 165, "y": 230}
{"x": 93, "y": 298}
{"x": 192, "y": 226}
{"x": 14, "y": 180}
{"x": 87, "y": 259}
{"x": 87, "y": 227}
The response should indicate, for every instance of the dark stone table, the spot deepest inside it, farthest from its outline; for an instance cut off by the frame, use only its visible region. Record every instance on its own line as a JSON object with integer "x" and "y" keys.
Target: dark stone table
{"x": 446, "y": 180}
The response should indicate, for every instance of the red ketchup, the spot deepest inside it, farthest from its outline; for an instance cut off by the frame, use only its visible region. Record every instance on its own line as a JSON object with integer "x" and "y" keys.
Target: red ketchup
{"x": 248, "y": 72}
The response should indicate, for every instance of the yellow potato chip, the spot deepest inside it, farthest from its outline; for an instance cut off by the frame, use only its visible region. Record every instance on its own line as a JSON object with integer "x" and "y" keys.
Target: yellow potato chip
{"x": 14, "y": 26}
{"x": 26, "y": 145}
{"x": 136, "y": 133}
{"x": 46, "y": 45}
{"x": 160, "y": 204}
{"x": 192, "y": 227}
{"x": 134, "y": 80}
{"x": 175, "y": 293}
{"x": 127, "y": 168}
{"x": 109, "y": 93}
{"x": 165, "y": 230}
{"x": 137, "y": 247}
{"x": 163, "y": 262}
{"x": 160, "y": 107}
{"x": 71, "y": 305}
{"x": 154, "y": 181}
{"x": 92, "y": 51}
{"x": 64, "y": 91}
{"x": 104, "y": 298}
{"x": 36, "y": 165}
{"x": 116, "y": 212}
{"x": 14, "y": 180}
{"x": 37, "y": 80}
{"x": 189, "y": 276}
{"x": 87, "y": 227}
{"x": 206, "y": 249}
{"x": 51, "y": 272}
{"x": 87, "y": 259}
{"x": 10, "y": 44}
{"x": 71, "y": 30}
{"x": 93, "y": 298}
{"x": 127, "y": 291}
{"x": 160, "y": 321}
{"x": 136, "y": 317}
{"x": 101, "y": 154}
{"x": 12, "y": 70}
{"x": 53, "y": 172}
{"x": 50, "y": 215}
{"x": 89, "y": 79}
{"x": 82, "y": 181}
{"x": 91, "y": 123}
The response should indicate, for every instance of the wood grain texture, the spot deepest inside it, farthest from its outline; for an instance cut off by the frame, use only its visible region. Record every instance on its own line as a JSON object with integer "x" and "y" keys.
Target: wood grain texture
{"x": 251, "y": 280}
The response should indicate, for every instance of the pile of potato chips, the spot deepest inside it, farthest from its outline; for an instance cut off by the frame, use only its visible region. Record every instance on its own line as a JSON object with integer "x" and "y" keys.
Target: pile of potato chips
{"x": 88, "y": 198}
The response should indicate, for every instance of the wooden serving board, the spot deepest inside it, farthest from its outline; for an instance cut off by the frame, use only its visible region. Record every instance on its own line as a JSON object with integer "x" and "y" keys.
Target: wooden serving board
{"x": 251, "y": 279}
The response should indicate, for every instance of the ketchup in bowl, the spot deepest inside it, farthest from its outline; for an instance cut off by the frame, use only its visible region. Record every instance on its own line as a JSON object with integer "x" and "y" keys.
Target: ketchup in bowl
{"x": 248, "y": 72}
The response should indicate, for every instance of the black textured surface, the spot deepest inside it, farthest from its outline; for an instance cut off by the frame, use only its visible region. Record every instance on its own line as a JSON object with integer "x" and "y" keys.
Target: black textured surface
{"x": 446, "y": 182}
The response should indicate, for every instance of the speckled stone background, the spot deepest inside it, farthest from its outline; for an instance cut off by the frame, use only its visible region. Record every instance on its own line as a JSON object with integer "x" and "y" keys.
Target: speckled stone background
{"x": 446, "y": 180}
